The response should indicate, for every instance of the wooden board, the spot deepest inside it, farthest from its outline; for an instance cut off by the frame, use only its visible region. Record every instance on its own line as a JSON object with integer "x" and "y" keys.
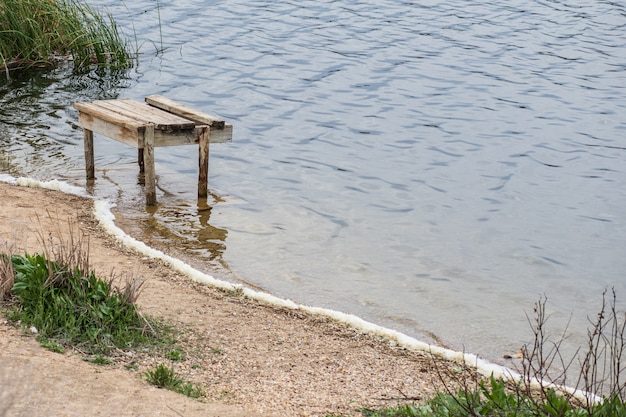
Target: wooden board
{"x": 187, "y": 112}
{"x": 222, "y": 135}
{"x": 124, "y": 110}
{"x": 220, "y": 130}
{"x": 96, "y": 111}
{"x": 130, "y": 135}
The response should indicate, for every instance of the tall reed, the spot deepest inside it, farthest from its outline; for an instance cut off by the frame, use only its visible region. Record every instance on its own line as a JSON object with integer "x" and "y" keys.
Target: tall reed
{"x": 44, "y": 32}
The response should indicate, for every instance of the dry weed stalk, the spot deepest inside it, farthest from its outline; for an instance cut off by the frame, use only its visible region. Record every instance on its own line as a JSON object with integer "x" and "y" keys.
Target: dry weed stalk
{"x": 546, "y": 375}
{"x": 543, "y": 366}
{"x": 600, "y": 370}
{"x": 72, "y": 248}
{"x": 7, "y": 275}
{"x": 602, "y": 366}
{"x": 127, "y": 286}
{"x": 9, "y": 248}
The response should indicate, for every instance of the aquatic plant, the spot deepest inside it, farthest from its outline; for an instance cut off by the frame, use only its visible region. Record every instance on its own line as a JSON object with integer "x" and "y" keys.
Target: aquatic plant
{"x": 42, "y": 33}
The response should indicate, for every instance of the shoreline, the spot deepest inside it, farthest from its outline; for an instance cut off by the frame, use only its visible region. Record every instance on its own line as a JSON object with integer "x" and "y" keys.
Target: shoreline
{"x": 102, "y": 212}
{"x": 322, "y": 353}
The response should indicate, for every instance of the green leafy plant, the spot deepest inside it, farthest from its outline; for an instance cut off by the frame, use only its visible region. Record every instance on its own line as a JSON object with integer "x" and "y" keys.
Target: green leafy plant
{"x": 540, "y": 391}
{"x": 163, "y": 376}
{"x": 99, "y": 360}
{"x": 190, "y": 390}
{"x": 71, "y": 307}
{"x": 494, "y": 400}
{"x": 176, "y": 356}
{"x": 51, "y": 345}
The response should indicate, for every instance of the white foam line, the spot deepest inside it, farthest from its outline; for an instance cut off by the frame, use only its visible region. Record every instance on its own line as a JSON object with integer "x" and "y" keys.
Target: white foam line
{"x": 49, "y": 185}
{"x": 7, "y": 178}
{"x": 103, "y": 213}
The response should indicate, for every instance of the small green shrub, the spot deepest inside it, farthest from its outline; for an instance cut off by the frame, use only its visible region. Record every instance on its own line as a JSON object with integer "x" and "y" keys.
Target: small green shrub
{"x": 99, "y": 360}
{"x": 176, "y": 356}
{"x": 164, "y": 377}
{"x": 190, "y": 390}
{"x": 75, "y": 308}
{"x": 51, "y": 345}
{"x": 495, "y": 400}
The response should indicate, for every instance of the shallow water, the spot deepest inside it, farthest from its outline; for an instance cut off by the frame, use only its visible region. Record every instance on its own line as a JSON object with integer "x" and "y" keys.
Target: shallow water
{"x": 430, "y": 166}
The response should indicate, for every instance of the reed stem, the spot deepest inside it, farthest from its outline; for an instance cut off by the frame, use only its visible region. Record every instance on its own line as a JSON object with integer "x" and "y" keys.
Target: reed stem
{"x": 42, "y": 33}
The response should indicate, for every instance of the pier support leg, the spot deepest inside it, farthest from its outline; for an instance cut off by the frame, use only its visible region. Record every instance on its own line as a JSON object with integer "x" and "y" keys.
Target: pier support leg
{"x": 89, "y": 164}
{"x": 148, "y": 161}
{"x": 203, "y": 162}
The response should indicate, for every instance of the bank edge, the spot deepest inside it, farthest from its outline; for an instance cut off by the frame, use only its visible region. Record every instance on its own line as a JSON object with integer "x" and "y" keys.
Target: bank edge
{"x": 102, "y": 212}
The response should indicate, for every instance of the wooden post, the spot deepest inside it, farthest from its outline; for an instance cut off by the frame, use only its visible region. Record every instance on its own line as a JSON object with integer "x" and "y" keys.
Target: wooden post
{"x": 203, "y": 161}
{"x": 89, "y": 164}
{"x": 148, "y": 161}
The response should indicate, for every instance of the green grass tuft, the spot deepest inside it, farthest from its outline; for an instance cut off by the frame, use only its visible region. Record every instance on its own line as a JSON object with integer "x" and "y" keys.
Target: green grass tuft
{"x": 176, "y": 356}
{"x": 164, "y": 377}
{"x": 495, "y": 400}
{"x": 75, "y": 308}
{"x": 99, "y": 360}
{"x": 51, "y": 345}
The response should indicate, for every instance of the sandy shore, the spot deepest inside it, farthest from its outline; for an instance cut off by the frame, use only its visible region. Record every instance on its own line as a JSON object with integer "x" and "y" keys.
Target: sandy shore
{"x": 251, "y": 358}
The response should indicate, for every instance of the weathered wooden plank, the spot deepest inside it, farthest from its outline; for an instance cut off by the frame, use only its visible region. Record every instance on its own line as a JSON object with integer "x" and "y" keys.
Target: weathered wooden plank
{"x": 122, "y": 133}
{"x": 184, "y": 111}
{"x": 134, "y": 137}
{"x": 189, "y": 137}
{"x": 148, "y": 161}
{"x": 222, "y": 135}
{"x": 203, "y": 162}
{"x": 144, "y": 113}
{"x": 176, "y": 137}
{"x": 99, "y": 112}
{"x": 220, "y": 131}
{"x": 89, "y": 158}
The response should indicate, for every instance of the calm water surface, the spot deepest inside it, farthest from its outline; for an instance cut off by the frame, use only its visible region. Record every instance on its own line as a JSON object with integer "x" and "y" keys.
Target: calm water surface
{"x": 434, "y": 167}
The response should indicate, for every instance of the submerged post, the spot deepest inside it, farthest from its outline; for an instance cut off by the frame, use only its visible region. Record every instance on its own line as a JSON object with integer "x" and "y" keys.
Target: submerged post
{"x": 89, "y": 159}
{"x": 148, "y": 162}
{"x": 203, "y": 162}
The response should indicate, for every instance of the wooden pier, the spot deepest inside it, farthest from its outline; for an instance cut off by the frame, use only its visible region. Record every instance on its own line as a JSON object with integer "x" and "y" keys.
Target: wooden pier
{"x": 157, "y": 122}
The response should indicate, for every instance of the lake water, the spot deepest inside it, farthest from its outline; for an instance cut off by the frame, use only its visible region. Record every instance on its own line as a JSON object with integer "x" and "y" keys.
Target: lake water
{"x": 434, "y": 167}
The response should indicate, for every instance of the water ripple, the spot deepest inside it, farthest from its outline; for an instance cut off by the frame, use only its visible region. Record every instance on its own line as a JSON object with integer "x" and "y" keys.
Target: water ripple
{"x": 477, "y": 144}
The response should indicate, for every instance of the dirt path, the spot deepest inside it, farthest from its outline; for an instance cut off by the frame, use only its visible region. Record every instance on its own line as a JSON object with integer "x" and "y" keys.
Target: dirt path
{"x": 251, "y": 359}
